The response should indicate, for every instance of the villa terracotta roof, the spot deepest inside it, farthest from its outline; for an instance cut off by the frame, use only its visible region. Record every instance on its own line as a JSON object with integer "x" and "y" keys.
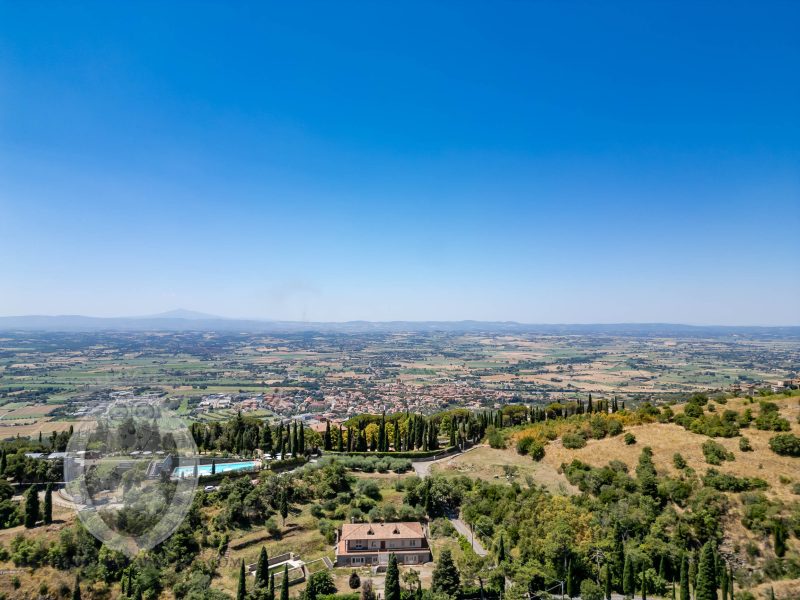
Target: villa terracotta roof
{"x": 382, "y": 531}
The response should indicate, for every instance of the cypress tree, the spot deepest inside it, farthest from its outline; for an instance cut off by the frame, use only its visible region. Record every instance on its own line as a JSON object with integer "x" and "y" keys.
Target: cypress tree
{"x": 301, "y": 432}
{"x": 779, "y": 534}
{"x": 271, "y": 589}
{"x": 501, "y": 550}
{"x": 396, "y": 443}
{"x": 382, "y": 433}
{"x": 730, "y": 582}
{"x": 392, "y": 585}
{"x": 684, "y": 585}
{"x": 262, "y": 570}
{"x": 570, "y": 581}
{"x": 241, "y": 589}
{"x": 723, "y": 582}
{"x": 31, "y": 507}
{"x": 284, "y": 507}
{"x": 326, "y": 440}
{"x": 285, "y": 583}
{"x": 48, "y": 504}
{"x": 627, "y": 577}
{"x": 340, "y": 442}
{"x": 213, "y": 466}
{"x": 662, "y": 567}
{"x": 644, "y": 584}
{"x": 608, "y": 582}
{"x": 76, "y": 591}
{"x": 4, "y": 462}
{"x": 706, "y": 575}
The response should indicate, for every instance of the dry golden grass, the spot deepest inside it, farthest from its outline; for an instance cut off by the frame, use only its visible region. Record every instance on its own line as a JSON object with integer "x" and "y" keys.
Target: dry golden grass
{"x": 488, "y": 464}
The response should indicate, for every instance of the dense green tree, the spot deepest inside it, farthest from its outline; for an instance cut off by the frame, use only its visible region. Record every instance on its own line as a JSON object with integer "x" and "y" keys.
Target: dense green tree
{"x": 607, "y": 582}
{"x": 706, "y": 574}
{"x": 355, "y": 581}
{"x": 446, "y": 579}
{"x": 392, "y": 585}
{"x": 320, "y": 583}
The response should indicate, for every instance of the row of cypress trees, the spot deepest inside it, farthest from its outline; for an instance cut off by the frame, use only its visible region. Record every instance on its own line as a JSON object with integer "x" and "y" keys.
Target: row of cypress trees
{"x": 264, "y": 585}
{"x": 711, "y": 579}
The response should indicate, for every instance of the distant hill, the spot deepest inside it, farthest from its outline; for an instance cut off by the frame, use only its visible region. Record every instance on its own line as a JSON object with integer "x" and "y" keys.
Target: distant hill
{"x": 186, "y": 320}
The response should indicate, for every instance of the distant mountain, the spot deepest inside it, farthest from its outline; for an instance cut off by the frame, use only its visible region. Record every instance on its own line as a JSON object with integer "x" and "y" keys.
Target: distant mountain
{"x": 182, "y": 313}
{"x": 185, "y": 320}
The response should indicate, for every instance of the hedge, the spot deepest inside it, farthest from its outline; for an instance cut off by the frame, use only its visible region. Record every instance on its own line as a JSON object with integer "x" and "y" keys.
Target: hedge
{"x": 412, "y": 455}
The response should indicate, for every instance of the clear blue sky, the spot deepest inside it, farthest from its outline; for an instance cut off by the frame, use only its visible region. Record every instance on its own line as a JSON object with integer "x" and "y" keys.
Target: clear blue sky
{"x": 530, "y": 161}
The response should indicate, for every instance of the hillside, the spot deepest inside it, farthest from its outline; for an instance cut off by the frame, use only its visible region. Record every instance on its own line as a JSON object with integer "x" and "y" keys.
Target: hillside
{"x": 748, "y": 537}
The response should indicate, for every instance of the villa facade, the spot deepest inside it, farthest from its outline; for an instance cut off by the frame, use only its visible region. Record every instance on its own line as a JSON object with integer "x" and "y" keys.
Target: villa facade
{"x": 365, "y": 544}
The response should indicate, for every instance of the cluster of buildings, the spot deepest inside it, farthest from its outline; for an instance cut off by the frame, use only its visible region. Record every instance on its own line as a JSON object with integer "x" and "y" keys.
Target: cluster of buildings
{"x": 776, "y": 387}
{"x": 343, "y": 402}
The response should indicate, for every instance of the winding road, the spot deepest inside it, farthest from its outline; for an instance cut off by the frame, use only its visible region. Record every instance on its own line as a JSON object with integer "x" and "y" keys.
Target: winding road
{"x": 423, "y": 469}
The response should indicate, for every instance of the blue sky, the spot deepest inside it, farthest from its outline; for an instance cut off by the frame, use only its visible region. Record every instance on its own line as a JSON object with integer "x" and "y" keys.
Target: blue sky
{"x": 529, "y": 161}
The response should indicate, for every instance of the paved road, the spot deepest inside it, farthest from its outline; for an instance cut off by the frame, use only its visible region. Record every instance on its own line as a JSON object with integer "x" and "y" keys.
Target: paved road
{"x": 463, "y": 529}
{"x": 423, "y": 468}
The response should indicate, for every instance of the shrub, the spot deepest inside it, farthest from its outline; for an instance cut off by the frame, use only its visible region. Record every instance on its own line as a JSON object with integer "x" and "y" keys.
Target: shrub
{"x": 716, "y": 453}
{"x": 769, "y": 419}
{"x": 744, "y": 445}
{"x": 678, "y": 461}
{"x": 629, "y": 439}
{"x": 591, "y": 591}
{"x": 614, "y": 427}
{"x": 573, "y": 441}
{"x": 495, "y": 438}
{"x": 785, "y": 444}
{"x": 728, "y": 483}
{"x": 537, "y": 451}
{"x": 524, "y": 444}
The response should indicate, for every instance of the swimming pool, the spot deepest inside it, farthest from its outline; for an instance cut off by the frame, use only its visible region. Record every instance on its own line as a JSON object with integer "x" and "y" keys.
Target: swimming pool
{"x": 220, "y": 468}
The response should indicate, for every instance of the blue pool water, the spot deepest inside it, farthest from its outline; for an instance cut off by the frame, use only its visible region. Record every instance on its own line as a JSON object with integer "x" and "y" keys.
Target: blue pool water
{"x": 206, "y": 469}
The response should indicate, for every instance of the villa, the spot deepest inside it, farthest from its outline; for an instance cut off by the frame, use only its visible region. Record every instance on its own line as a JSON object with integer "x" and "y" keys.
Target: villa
{"x": 363, "y": 544}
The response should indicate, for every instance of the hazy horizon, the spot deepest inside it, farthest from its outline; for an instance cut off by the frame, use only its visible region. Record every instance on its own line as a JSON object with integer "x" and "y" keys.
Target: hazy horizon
{"x": 530, "y": 162}
{"x": 190, "y": 315}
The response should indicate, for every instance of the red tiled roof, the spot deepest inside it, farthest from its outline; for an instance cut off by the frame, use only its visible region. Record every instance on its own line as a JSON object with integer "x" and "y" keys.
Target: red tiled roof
{"x": 382, "y": 531}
